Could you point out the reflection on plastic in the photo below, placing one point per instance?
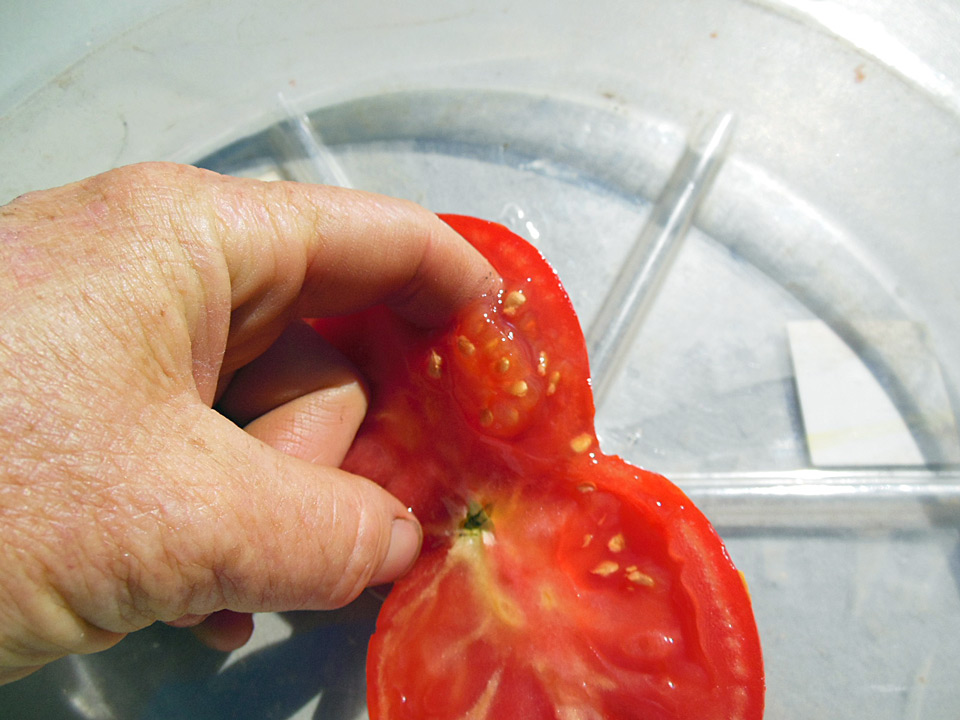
(616, 325)
(301, 151)
(316, 674)
(524, 222)
(883, 35)
(895, 500)
(87, 697)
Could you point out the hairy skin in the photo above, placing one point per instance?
(130, 304)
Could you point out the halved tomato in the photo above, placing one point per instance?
(555, 581)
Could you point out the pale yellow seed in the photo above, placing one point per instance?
(548, 600)
(607, 567)
(513, 416)
(513, 301)
(465, 346)
(581, 443)
(587, 539)
(586, 487)
(542, 364)
(518, 389)
(639, 578)
(617, 543)
(552, 385)
(503, 364)
(486, 417)
(435, 365)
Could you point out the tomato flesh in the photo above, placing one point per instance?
(555, 581)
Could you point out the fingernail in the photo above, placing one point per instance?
(185, 621)
(405, 539)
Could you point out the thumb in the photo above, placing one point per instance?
(278, 533)
(212, 518)
(306, 400)
(202, 517)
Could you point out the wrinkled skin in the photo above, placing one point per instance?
(131, 304)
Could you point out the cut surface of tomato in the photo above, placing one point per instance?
(555, 581)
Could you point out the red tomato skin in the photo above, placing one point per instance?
(496, 410)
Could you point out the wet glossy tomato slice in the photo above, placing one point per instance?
(555, 581)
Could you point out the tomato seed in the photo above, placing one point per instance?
(465, 346)
(542, 364)
(607, 567)
(554, 379)
(503, 364)
(617, 543)
(512, 302)
(581, 443)
(639, 578)
(518, 389)
(434, 364)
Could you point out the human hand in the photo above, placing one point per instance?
(132, 303)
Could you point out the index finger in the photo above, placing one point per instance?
(353, 248)
(289, 250)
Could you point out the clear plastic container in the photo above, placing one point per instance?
(794, 367)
